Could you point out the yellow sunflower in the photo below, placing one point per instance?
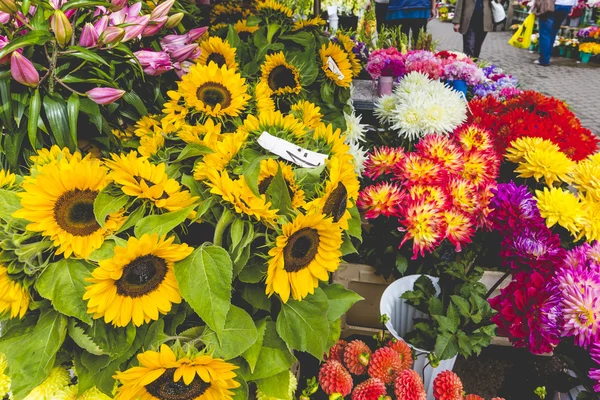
(307, 249)
(14, 298)
(269, 169)
(548, 163)
(162, 375)
(348, 45)
(138, 282)
(333, 139)
(336, 65)
(518, 148)
(243, 30)
(151, 134)
(341, 190)
(7, 179)
(262, 95)
(561, 207)
(308, 24)
(216, 27)
(141, 179)
(308, 113)
(223, 152)
(213, 91)
(59, 203)
(275, 123)
(124, 134)
(274, 7)
(206, 134)
(218, 51)
(238, 194)
(51, 155)
(281, 76)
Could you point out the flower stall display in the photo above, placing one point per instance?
(385, 66)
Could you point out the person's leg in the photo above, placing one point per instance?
(404, 25)
(380, 14)
(560, 14)
(416, 24)
(479, 33)
(546, 22)
(469, 42)
(479, 38)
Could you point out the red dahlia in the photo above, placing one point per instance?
(385, 364)
(409, 386)
(473, 397)
(447, 386)
(333, 378)
(371, 389)
(404, 352)
(337, 351)
(356, 357)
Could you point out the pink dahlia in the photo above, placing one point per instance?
(581, 309)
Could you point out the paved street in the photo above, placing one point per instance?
(577, 84)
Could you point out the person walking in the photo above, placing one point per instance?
(549, 25)
(411, 16)
(473, 19)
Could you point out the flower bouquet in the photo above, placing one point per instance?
(385, 62)
(497, 84)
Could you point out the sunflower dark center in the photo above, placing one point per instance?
(217, 58)
(281, 77)
(301, 249)
(212, 93)
(165, 388)
(263, 186)
(141, 276)
(74, 212)
(146, 181)
(335, 206)
(244, 35)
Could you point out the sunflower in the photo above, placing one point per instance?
(281, 76)
(341, 190)
(331, 139)
(216, 27)
(307, 249)
(7, 179)
(243, 30)
(223, 152)
(138, 282)
(262, 96)
(348, 45)
(59, 202)
(14, 298)
(561, 207)
(273, 7)
(162, 375)
(213, 91)
(309, 24)
(206, 134)
(308, 113)
(275, 123)
(218, 51)
(335, 64)
(150, 132)
(141, 179)
(123, 133)
(269, 169)
(49, 156)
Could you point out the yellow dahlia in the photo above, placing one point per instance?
(212, 91)
(586, 177)
(223, 152)
(141, 179)
(308, 113)
(308, 24)
(518, 148)
(14, 298)
(590, 227)
(243, 30)
(550, 164)
(269, 169)
(162, 375)
(307, 249)
(218, 51)
(282, 77)
(59, 203)
(561, 207)
(476, 167)
(55, 382)
(137, 283)
(336, 65)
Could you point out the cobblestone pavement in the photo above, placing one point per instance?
(576, 83)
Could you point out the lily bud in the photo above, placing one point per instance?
(101, 25)
(174, 20)
(23, 71)
(3, 42)
(112, 35)
(89, 36)
(4, 18)
(154, 62)
(104, 96)
(154, 26)
(136, 28)
(118, 4)
(184, 52)
(62, 28)
(10, 7)
(161, 10)
(194, 34)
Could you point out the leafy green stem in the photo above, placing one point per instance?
(226, 219)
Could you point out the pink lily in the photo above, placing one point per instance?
(3, 42)
(23, 71)
(182, 68)
(154, 26)
(136, 28)
(112, 35)
(154, 62)
(101, 25)
(118, 4)
(104, 96)
(194, 34)
(162, 10)
(184, 52)
(4, 18)
(89, 36)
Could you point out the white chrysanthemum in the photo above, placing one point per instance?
(360, 157)
(414, 78)
(355, 131)
(384, 109)
(291, 390)
(410, 119)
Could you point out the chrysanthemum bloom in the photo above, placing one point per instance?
(447, 386)
(382, 160)
(307, 249)
(581, 310)
(528, 313)
(520, 147)
(57, 380)
(385, 365)
(513, 206)
(415, 169)
(561, 207)
(337, 351)
(533, 247)
(214, 49)
(371, 389)
(594, 375)
(459, 228)
(586, 176)
(14, 298)
(590, 227)
(162, 374)
(333, 378)
(463, 195)
(409, 386)
(435, 195)
(137, 283)
(58, 200)
(381, 199)
(385, 108)
(404, 352)
(356, 357)
(422, 222)
(550, 164)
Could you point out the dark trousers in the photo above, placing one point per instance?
(549, 25)
(380, 14)
(411, 25)
(474, 36)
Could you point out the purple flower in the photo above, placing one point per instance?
(154, 62)
(595, 352)
(533, 246)
(581, 309)
(594, 375)
(104, 96)
(512, 207)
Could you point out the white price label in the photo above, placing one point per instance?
(334, 68)
(291, 152)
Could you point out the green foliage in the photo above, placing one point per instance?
(238, 335)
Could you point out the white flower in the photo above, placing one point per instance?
(355, 131)
(359, 157)
(384, 109)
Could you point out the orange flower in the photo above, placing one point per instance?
(381, 199)
(422, 222)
